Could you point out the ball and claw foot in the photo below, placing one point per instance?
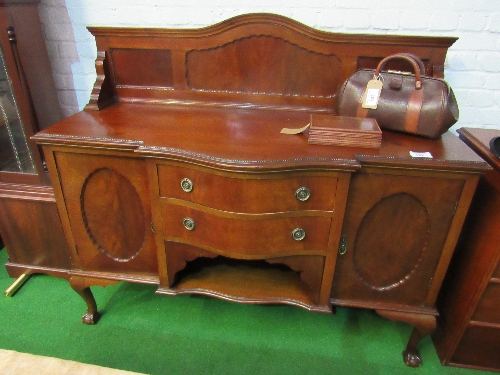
(412, 359)
(90, 318)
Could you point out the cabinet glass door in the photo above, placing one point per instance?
(15, 155)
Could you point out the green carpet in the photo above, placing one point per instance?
(154, 334)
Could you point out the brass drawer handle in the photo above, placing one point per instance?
(343, 245)
(188, 223)
(302, 194)
(187, 185)
(298, 234)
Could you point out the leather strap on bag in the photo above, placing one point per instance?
(413, 109)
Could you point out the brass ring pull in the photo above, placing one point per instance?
(187, 185)
(302, 194)
(188, 223)
(298, 234)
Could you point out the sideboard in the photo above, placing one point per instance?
(176, 174)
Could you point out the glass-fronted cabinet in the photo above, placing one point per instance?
(15, 154)
(30, 225)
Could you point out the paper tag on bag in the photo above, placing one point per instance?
(371, 94)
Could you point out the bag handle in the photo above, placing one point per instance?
(416, 68)
(417, 60)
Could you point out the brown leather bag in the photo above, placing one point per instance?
(410, 103)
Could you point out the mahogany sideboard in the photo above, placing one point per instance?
(176, 174)
(468, 333)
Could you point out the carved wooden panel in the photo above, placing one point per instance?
(252, 60)
(142, 68)
(404, 245)
(110, 208)
(107, 201)
(395, 228)
(263, 64)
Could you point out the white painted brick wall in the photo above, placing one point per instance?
(472, 65)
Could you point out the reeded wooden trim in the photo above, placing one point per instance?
(240, 164)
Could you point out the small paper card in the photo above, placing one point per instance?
(294, 131)
(372, 94)
(426, 154)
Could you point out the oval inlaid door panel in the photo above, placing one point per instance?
(404, 244)
(113, 214)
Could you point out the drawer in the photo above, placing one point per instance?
(249, 195)
(244, 238)
(488, 309)
(479, 348)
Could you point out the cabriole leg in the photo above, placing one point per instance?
(423, 325)
(92, 315)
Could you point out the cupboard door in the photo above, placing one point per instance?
(394, 231)
(107, 202)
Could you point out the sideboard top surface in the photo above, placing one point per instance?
(246, 139)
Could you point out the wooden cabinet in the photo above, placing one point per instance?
(286, 218)
(109, 212)
(468, 333)
(180, 177)
(29, 220)
(398, 224)
(399, 233)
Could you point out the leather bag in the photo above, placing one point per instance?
(410, 103)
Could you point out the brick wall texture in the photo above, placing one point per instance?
(472, 65)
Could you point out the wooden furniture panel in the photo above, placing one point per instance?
(107, 203)
(254, 194)
(41, 247)
(399, 224)
(489, 307)
(254, 61)
(478, 349)
(266, 73)
(468, 333)
(29, 219)
(211, 110)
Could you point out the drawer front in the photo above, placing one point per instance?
(479, 347)
(488, 309)
(246, 238)
(248, 195)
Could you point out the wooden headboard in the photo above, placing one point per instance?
(249, 61)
